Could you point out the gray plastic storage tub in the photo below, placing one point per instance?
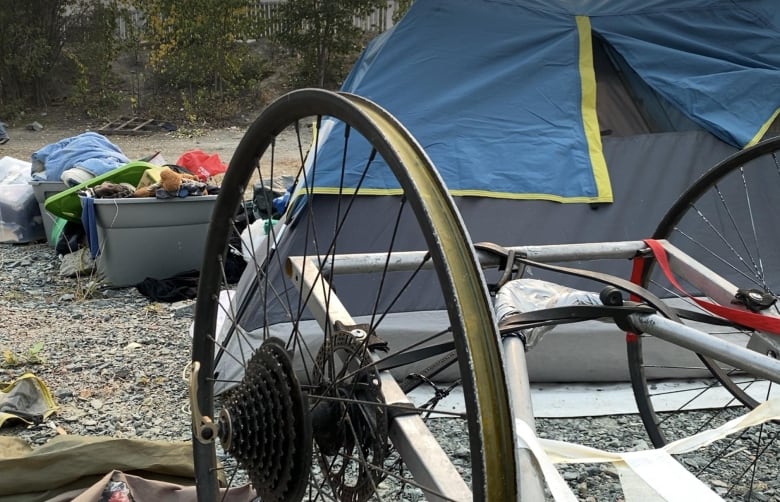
(43, 190)
(158, 238)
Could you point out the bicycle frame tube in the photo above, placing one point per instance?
(425, 458)
(681, 264)
(702, 343)
(410, 260)
(756, 363)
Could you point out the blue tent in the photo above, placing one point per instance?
(553, 122)
(503, 93)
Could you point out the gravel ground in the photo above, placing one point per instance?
(114, 363)
(114, 360)
(171, 145)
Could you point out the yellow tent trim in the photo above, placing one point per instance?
(592, 137)
(462, 193)
(589, 119)
(762, 131)
(352, 191)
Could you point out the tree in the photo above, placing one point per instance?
(401, 6)
(324, 35)
(197, 49)
(57, 49)
(31, 37)
(91, 49)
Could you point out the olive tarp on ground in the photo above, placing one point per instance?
(87, 469)
(68, 463)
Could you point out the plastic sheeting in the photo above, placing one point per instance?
(526, 295)
(20, 216)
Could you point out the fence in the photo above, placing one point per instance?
(263, 15)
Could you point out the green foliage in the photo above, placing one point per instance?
(197, 51)
(31, 37)
(32, 356)
(323, 34)
(92, 48)
(58, 48)
(188, 59)
(401, 6)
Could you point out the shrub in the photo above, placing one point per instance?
(324, 36)
(197, 54)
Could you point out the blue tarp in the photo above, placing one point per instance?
(90, 151)
(501, 94)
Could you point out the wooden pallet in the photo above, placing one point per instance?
(132, 126)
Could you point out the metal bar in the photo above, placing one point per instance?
(707, 281)
(428, 463)
(583, 251)
(740, 357)
(360, 263)
(718, 289)
(409, 260)
(530, 484)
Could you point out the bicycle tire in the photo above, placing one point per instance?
(471, 323)
(721, 221)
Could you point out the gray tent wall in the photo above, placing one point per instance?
(653, 153)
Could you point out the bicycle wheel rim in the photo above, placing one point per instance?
(468, 311)
(720, 220)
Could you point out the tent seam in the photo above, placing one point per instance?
(763, 129)
(590, 121)
(465, 193)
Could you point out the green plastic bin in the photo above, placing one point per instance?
(67, 204)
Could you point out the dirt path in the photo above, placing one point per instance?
(221, 141)
(171, 145)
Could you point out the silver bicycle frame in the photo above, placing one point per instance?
(427, 462)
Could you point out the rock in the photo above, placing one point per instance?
(184, 308)
(77, 263)
(64, 394)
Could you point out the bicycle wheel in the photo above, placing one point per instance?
(291, 383)
(727, 221)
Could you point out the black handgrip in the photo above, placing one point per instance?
(611, 296)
